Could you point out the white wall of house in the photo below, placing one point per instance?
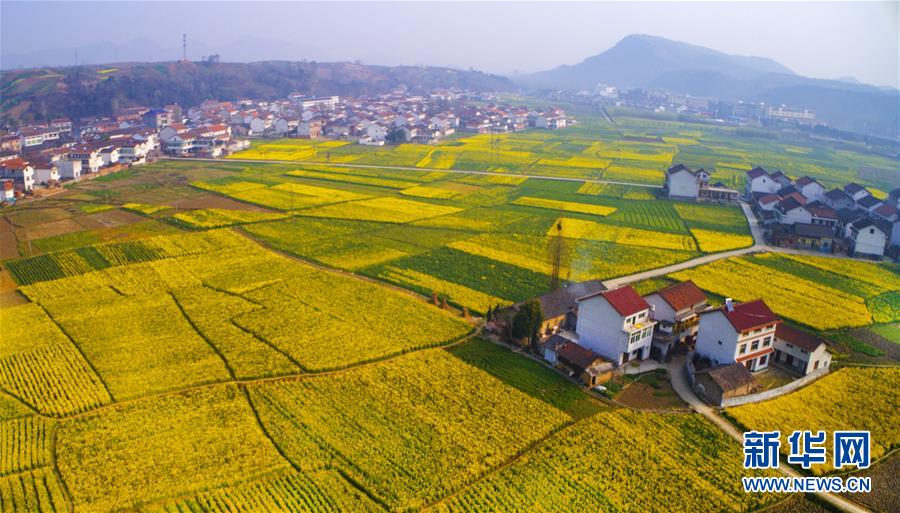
(661, 310)
(797, 215)
(717, 338)
(45, 175)
(895, 234)
(761, 184)
(813, 191)
(802, 360)
(69, 169)
(601, 329)
(869, 240)
(682, 184)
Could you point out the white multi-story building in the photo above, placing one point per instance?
(742, 333)
(868, 238)
(684, 183)
(800, 351)
(20, 171)
(616, 324)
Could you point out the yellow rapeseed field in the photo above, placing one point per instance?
(388, 210)
(617, 461)
(152, 450)
(802, 300)
(582, 229)
(568, 206)
(41, 367)
(848, 399)
(439, 423)
(714, 241)
(218, 217)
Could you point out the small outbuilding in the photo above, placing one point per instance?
(716, 384)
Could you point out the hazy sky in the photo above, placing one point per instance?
(818, 39)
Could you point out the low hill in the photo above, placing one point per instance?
(640, 61)
(43, 93)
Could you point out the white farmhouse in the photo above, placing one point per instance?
(20, 171)
(800, 351)
(684, 183)
(810, 188)
(676, 310)
(742, 333)
(867, 237)
(791, 211)
(616, 324)
(69, 169)
(856, 191)
(759, 180)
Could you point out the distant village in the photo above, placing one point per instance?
(39, 157)
(800, 213)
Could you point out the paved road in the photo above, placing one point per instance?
(682, 387)
(409, 168)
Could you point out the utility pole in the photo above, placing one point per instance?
(556, 256)
(183, 48)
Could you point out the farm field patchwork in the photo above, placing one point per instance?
(182, 366)
(621, 471)
(442, 442)
(850, 398)
(819, 301)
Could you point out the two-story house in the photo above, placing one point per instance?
(676, 311)
(758, 180)
(810, 188)
(868, 237)
(20, 171)
(616, 324)
(790, 211)
(800, 351)
(838, 199)
(743, 333)
(683, 182)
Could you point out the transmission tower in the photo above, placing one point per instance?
(183, 47)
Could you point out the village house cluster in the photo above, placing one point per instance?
(802, 214)
(390, 118)
(48, 154)
(589, 333)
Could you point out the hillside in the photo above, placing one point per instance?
(640, 61)
(74, 92)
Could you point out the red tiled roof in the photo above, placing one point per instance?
(805, 180)
(578, 355)
(886, 210)
(757, 354)
(750, 315)
(15, 163)
(682, 295)
(768, 198)
(798, 337)
(625, 300)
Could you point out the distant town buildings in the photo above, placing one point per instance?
(802, 214)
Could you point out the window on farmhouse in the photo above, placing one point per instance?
(743, 349)
(767, 341)
(755, 345)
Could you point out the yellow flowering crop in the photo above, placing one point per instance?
(590, 230)
(218, 217)
(388, 210)
(41, 367)
(446, 421)
(848, 399)
(713, 241)
(616, 461)
(568, 206)
(171, 446)
(802, 300)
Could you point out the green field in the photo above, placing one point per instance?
(240, 337)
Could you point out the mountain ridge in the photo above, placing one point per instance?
(656, 63)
